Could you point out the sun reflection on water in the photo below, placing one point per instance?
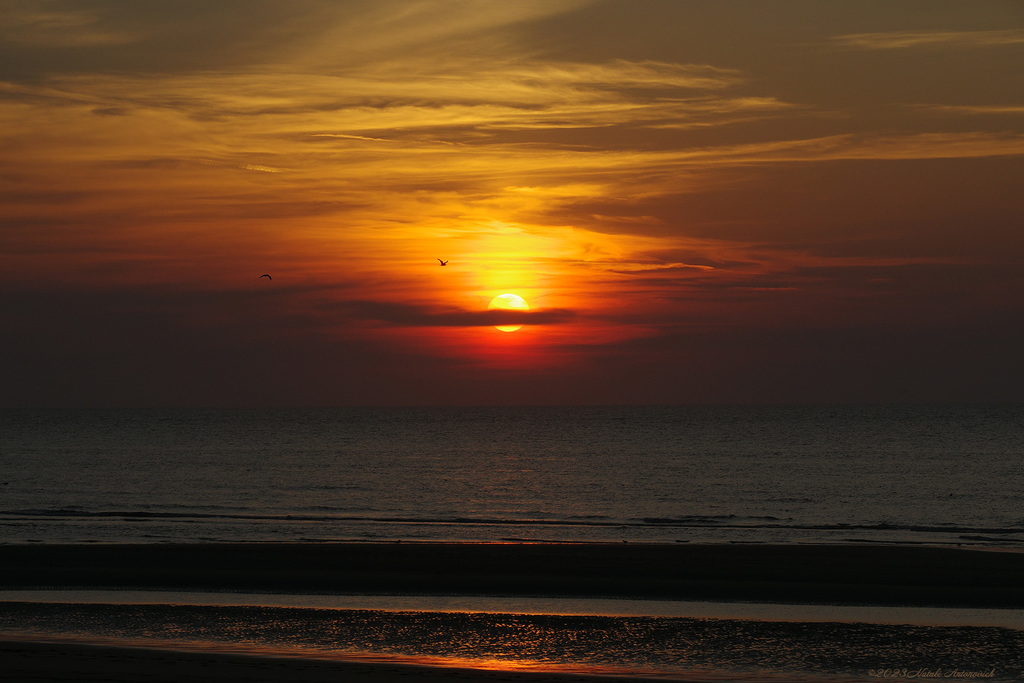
(652, 646)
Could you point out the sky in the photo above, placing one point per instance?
(700, 202)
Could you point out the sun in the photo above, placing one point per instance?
(508, 302)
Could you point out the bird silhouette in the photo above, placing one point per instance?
(266, 276)
(443, 263)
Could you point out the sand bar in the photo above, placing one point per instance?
(830, 574)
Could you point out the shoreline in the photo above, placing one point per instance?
(826, 574)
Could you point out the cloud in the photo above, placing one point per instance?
(632, 268)
(409, 315)
(403, 31)
(894, 40)
(29, 24)
(848, 146)
(982, 109)
(358, 105)
(621, 73)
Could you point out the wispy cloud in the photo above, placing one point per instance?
(983, 109)
(34, 25)
(407, 31)
(632, 268)
(848, 146)
(894, 40)
(524, 95)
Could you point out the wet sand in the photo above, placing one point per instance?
(72, 662)
(827, 574)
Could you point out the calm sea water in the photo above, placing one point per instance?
(947, 474)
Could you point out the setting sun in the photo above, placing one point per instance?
(508, 302)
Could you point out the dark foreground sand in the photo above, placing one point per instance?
(830, 574)
(21, 662)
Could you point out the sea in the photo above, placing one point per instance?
(888, 474)
(946, 475)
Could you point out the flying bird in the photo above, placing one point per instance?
(266, 276)
(443, 263)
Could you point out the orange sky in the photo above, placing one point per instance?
(711, 201)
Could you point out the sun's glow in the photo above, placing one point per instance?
(508, 302)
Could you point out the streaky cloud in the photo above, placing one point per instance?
(32, 25)
(411, 315)
(634, 268)
(896, 40)
(980, 109)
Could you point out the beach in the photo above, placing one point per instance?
(840, 574)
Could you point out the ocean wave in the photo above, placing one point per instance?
(729, 521)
